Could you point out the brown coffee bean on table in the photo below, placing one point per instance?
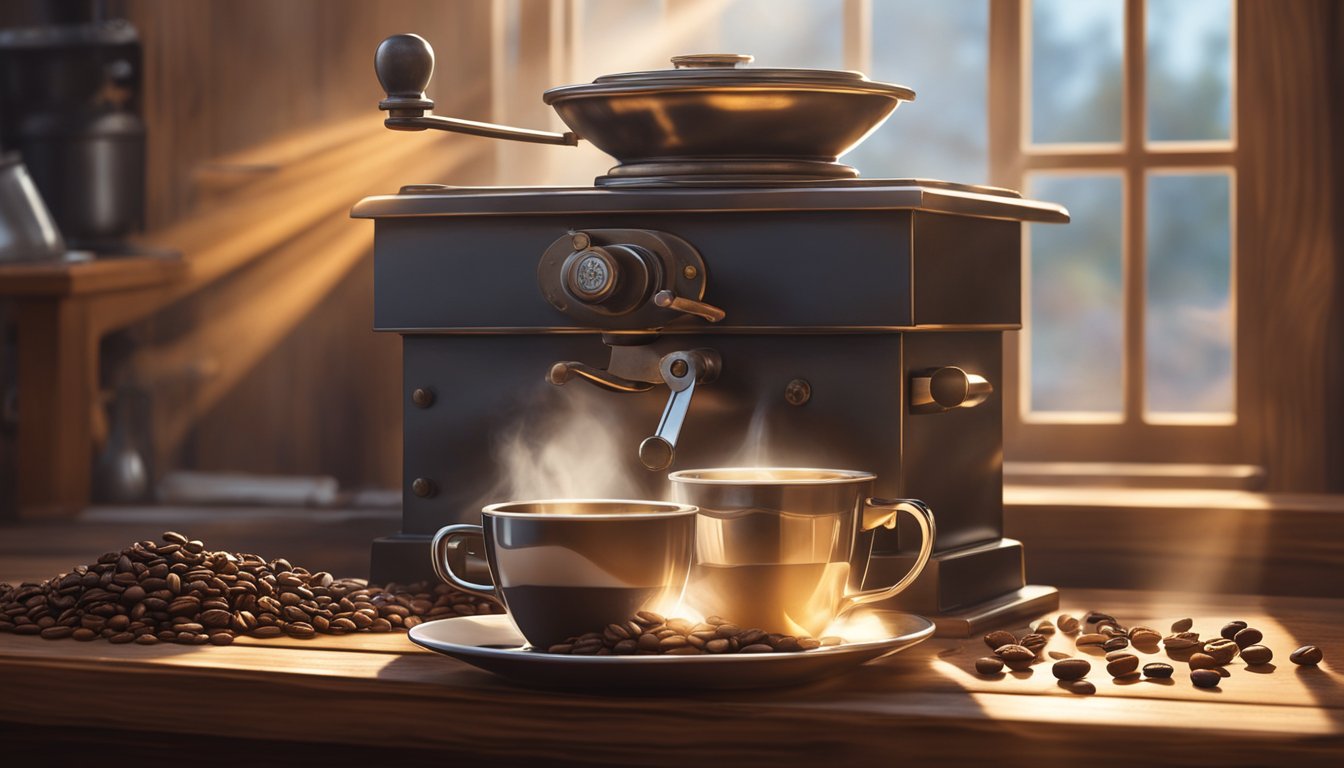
(999, 638)
(1071, 669)
(1205, 678)
(1307, 656)
(1222, 649)
(1080, 687)
(1066, 623)
(1033, 642)
(989, 665)
(1043, 627)
(1255, 655)
(1158, 670)
(1180, 641)
(1115, 643)
(1123, 666)
(1248, 636)
(1092, 638)
(1231, 628)
(1182, 625)
(1203, 661)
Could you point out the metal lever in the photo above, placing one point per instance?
(941, 389)
(682, 371)
(669, 300)
(564, 371)
(404, 64)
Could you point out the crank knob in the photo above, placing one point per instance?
(404, 64)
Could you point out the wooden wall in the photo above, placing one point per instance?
(224, 76)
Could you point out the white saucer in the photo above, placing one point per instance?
(495, 645)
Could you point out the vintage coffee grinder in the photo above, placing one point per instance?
(727, 277)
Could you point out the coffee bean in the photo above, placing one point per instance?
(84, 634)
(1066, 623)
(1247, 636)
(728, 630)
(1205, 678)
(1222, 649)
(999, 638)
(1081, 687)
(751, 637)
(1143, 636)
(1043, 627)
(1059, 655)
(56, 632)
(1182, 625)
(1115, 643)
(560, 648)
(1307, 656)
(1203, 661)
(1014, 652)
(989, 665)
(1096, 617)
(267, 631)
(302, 630)
(1033, 642)
(1231, 628)
(756, 648)
(1123, 666)
(1113, 655)
(648, 618)
(717, 645)
(673, 641)
(147, 640)
(1071, 669)
(121, 637)
(1091, 639)
(1180, 643)
(1158, 670)
(1255, 655)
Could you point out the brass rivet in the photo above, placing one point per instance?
(798, 392)
(689, 272)
(422, 487)
(422, 397)
(581, 241)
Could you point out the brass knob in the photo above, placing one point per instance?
(422, 397)
(423, 487)
(941, 389)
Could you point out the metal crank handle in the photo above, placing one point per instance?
(682, 371)
(404, 64)
(564, 371)
(669, 300)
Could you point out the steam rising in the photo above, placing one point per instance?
(572, 449)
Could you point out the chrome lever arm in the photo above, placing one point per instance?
(682, 371)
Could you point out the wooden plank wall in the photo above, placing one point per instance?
(223, 76)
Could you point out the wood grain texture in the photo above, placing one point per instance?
(1289, 240)
(923, 704)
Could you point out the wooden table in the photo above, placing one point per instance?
(379, 695)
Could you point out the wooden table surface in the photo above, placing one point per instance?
(925, 703)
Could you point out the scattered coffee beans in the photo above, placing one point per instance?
(1071, 669)
(1043, 627)
(1231, 628)
(179, 592)
(1247, 636)
(1306, 656)
(1205, 678)
(1181, 641)
(989, 665)
(1255, 655)
(1182, 625)
(1123, 666)
(1115, 643)
(999, 638)
(1158, 670)
(1091, 638)
(1066, 623)
(1144, 636)
(1097, 617)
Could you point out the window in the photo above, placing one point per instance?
(1122, 110)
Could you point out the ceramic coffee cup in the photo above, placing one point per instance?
(786, 549)
(565, 567)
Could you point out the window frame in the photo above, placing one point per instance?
(1132, 437)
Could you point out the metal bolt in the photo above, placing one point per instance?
(581, 241)
(679, 368)
(689, 272)
(422, 397)
(422, 487)
(798, 392)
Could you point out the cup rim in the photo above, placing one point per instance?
(667, 509)
(833, 476)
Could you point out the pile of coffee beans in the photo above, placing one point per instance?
(1207, 659)
(180, 592)
(649, 634)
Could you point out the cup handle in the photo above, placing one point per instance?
(449, 539)
(882, 512)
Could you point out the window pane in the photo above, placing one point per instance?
(1189, 70)
(1075, 297)
(1189, 321)
(1077, 73)
(779, 33)
(941, 50)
